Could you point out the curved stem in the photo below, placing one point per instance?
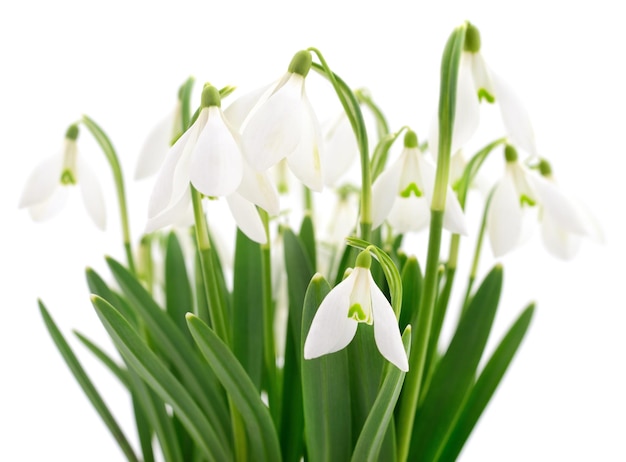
(355, 116)
(105, 143)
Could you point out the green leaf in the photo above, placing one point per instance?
(412, 289)
(178, 296)
(325, 391)
(97, 286)
(485, 386)
(375, 429)
(86, 384)
(261, 432)
(177, 348)
(157, 375)
(455, 371)
(307, 238)
(247, 334)
(116, 369)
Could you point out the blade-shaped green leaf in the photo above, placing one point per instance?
(375, 429)
(177, 348)
(157, 375)
(412, 289)
(307, 238)
(110, 363)
(261, 432)
(455, 371)
(485, 386)
(178, 296)
(248, 307)
(86, 384)
(325, 391)
(99, 287)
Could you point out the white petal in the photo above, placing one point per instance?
(91, 192)
(175, 214)
(558, 241)
(386, 330)
(384, 192)
(274, 130)
(239, 110)
(258, 188)
(331, 329)
(514, 116)
(558, 206)
(247, 218)
(43, 181)
(481, 74)
(409, 214)
(51, 206)
(306, 161)
(155, 149)
(340, 151)
(216, 160)
(173, 178)
(504, 218)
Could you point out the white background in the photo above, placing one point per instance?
(121, 62)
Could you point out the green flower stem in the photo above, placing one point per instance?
(105, 143)
(269, 349)
(419, 348)
(216, 310)
(355, 116)
(145, 270)
(382, 127)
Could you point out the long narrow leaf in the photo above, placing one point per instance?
(261, 432)
(157, 375)
(325, 391)
(178, 296)
(485, 386)
(116, 369)
(375, 429)
(83, 380)
(455, 371)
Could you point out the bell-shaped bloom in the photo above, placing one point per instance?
(478, 82)
(157, 144)
(563, 221)
(281, 124)
(208, 156)
(356, 299)
(512, 197)
(47, 187)
(402, 194)
(341, 149)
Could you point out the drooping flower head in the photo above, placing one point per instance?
(209, 157)
(357, 299)
(282, 125)
(511, 199)
(402, 194)
(47, 187)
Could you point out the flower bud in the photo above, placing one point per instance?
(301, 63)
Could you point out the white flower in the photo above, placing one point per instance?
(356, 299)
(282, 124)
(340, 147)
(563, 220)
(477, 82)
(402, 194)
(47, 187)
(157, 144)
(208, 156)
(507, 220)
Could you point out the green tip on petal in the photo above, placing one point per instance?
(364, 260)
(356, 312)
(472, 39)
(210, 97)
(301, 63)
(510, 153)
(410, 139)
(545, 168)
(72, 132)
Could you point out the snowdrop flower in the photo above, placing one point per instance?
(282, 124)
(403, 192)
(478, 82)
(208, 156)
(157, 145)
(563, 221)
(340, 146)
(47, 187)
(512, 196)
(356, 299)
